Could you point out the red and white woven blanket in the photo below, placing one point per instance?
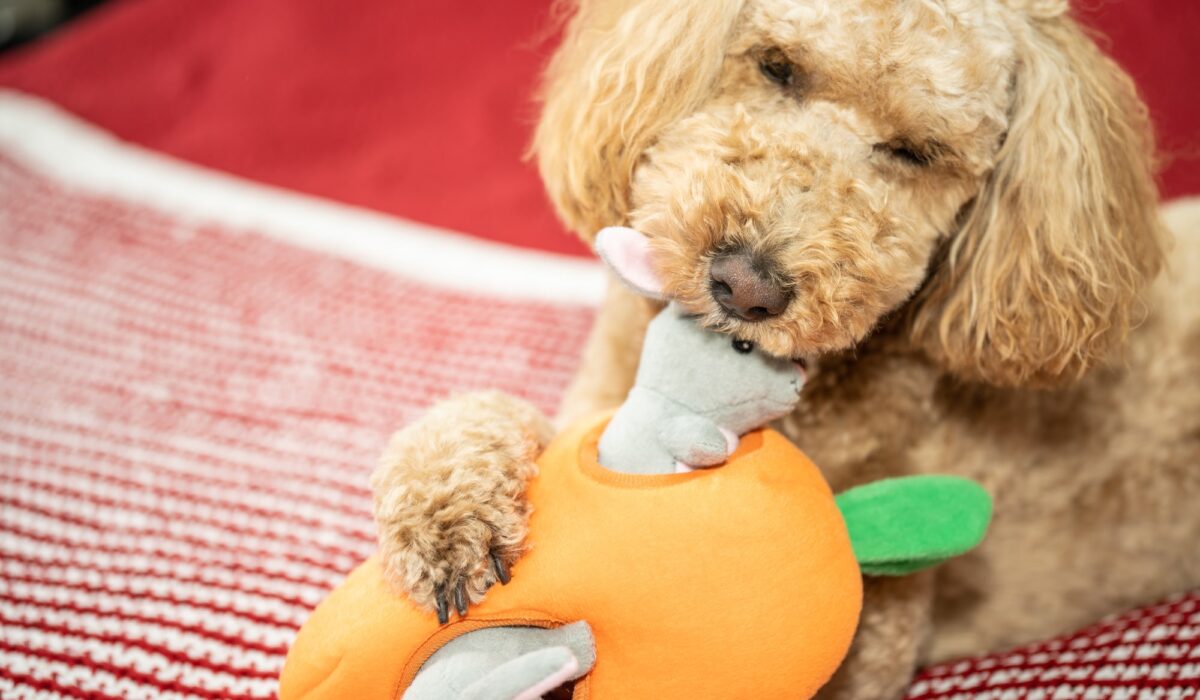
(197, 376)
(190, 408)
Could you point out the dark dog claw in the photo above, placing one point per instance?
(501, 570)
(443, 608)
(460, 597)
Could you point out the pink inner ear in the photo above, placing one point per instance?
(627, 252)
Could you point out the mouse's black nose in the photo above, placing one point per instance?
(744, 288)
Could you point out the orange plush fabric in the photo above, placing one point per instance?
(734, 582)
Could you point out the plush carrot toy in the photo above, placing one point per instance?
(678, 550)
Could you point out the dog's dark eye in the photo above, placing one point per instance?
(778, 69)
(907, 153)
(744, 347)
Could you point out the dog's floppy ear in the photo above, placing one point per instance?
(1044, 275)
(627, 254)
(625, 70)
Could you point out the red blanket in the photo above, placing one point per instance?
(188, 414)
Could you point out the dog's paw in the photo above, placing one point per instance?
(449, 498)
(446, 550)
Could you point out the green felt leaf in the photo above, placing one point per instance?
(899, 526)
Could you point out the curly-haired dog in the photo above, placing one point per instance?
(947, 208)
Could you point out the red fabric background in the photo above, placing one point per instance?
(188, 416)
(422, 109)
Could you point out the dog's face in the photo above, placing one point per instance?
(806, 194)
(805, 167)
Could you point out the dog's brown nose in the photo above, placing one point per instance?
(744, 288)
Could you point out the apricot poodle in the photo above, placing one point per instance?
(947, 209)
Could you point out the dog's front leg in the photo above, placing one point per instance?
(449, 497)
(895, 626)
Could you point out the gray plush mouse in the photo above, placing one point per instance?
(696, 392)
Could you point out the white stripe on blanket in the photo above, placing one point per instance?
(49, 140)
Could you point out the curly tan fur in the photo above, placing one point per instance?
(448, 492)
(959, 196)
(1041, 280)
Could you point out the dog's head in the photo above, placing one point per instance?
(807, 167)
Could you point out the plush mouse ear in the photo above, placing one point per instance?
(627, 253)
